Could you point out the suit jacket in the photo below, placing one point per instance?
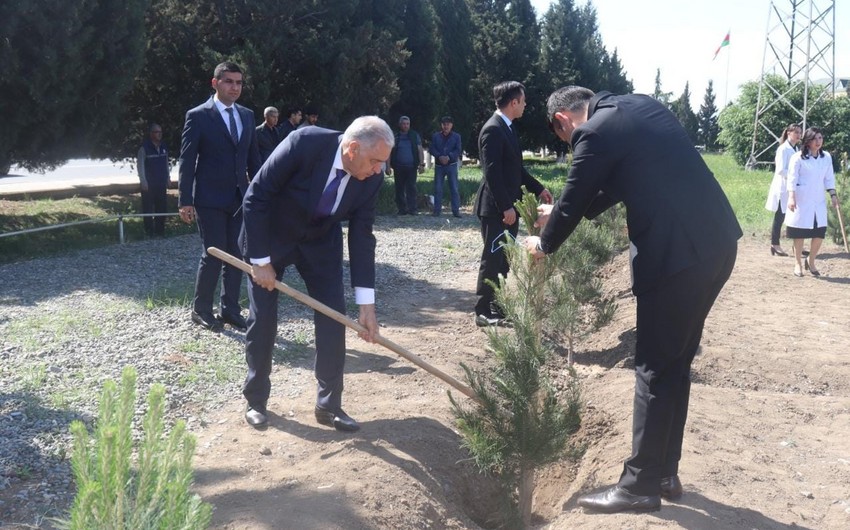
(210, 165)
(633, 149)
(280, 202)
(504, 174)
(267, 140)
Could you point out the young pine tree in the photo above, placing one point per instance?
(521, 423)
(112, 492)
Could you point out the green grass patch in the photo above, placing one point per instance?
(46, 330)
(747, 191)
(170, 296)
(210, 360)
(26, 214)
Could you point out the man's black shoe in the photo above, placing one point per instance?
(483, 321)
(337, 419)
(235, 321)
(206, 320)
(671, 488)
(256, 417)
(616, 499)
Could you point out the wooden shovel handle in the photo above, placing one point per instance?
(353, 324)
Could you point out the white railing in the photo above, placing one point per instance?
(120, 218)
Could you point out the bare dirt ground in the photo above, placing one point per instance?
(766, 445)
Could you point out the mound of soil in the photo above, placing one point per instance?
(765, 444)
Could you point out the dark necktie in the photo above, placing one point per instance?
(234, 132)
(328, 198)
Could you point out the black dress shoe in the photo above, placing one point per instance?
(616, 499)
(671, 488)
(337, 419)
(256, 417)
(207, 321)
(235, 321)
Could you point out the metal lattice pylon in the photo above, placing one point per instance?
(798, 52)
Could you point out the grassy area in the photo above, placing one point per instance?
(25, 214)
(746, 190)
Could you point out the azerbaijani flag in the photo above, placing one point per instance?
(722, 44)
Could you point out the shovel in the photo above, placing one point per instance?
(353, 324)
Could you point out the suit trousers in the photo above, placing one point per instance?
(440, 174)
(670, 320)
(219, 227)
(493, 263)
(323, 278)
(405, 189)
(155, 201)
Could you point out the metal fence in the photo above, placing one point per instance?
(120, 218)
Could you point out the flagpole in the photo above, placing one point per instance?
(726, 90)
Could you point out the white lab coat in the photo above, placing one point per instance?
(809, 178)
(778, 194)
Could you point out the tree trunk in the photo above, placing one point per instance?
(526, 493)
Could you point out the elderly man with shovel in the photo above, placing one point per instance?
(293, 212)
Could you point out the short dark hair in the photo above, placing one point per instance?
(446, 119)
(569, 98)
(153, 126)
(507, 91)
(226, 66)
(311, 111)
(292, 110)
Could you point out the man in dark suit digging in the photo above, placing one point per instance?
(316, 179)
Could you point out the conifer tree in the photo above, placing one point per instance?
(660, 95)
(148, 490)
(454, 27)
(521, 423)
(707, 119)
(66, 67)
(681, 107)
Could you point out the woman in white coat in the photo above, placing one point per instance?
(810, 174)
(777, 197)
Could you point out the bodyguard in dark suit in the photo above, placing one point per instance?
(501, 186)
(218, 157)
(632, 149)
(313, 181)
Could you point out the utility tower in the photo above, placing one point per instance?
(799, 52)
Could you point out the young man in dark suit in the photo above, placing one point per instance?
(315, 180)
(218, 157)
(501, 186)
(683, 233)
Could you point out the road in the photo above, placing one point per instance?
(80, 177)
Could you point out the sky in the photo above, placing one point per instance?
(681, 36)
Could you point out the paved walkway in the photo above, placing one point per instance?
(73, 180)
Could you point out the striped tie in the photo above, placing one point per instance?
(234, 132)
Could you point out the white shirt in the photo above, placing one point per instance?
(507, 120)
(362, 295)
(226, 117)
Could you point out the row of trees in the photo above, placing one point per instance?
(90, 85)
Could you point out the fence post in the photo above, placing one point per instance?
(121, 228)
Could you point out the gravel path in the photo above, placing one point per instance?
(69, 323)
